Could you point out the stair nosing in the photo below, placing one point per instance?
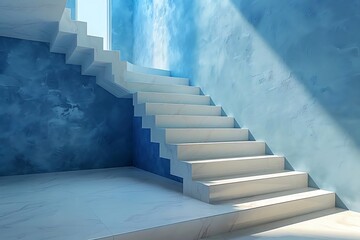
(181, 104)
(276, 199)
(204, 161)
(253, 177)
(220, 142)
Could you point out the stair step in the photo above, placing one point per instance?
(162, 88)
(195, 135)
(139, 69)
(73, 27)
(185, 121)
(175, 109)
(99, 60)
(153, 97)
(246, 213)
(247, 185)
(83, 48)
(147, 78)
(65, 36)
(213, 150)
(281, 205)
(215, 168)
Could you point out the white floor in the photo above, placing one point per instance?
(107, 203)
(92, 204)
(332, 224)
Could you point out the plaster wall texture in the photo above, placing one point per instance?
(287, 69)
(54, 119)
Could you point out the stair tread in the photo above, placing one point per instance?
(172, 94)
(207, 129)
(147, 70)
(153, 75)
(181, 104)
(190, 116)
(273, 198)
(248, 177)
(162, 84)
(232, 159)
(216, 143)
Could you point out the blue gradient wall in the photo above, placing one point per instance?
(54, 119)
(286, 69)
(122, 28)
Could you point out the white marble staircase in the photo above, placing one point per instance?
(216, 160)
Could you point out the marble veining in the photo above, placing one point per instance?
(92, 204)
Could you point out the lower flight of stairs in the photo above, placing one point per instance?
(218, 163)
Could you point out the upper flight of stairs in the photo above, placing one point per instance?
(217, 161)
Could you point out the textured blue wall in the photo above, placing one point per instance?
(286, 69)
(146, 154)
(54, 119)
(122, 28)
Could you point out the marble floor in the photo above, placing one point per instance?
(331, 224)
(93, 204)
(128, 203)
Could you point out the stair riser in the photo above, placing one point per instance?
(225, 168)
(286, 210)
(176, 109)
(140, 87)
(77, 55)
(138, 77)
(66, 24)
(173, 135)
(134, 68)
(144, 97)
(226, 150)
(61, 42)
(94, 68)
(206, 135)
(186, 122)
(66, 32)
(83, 47)
(257, 187)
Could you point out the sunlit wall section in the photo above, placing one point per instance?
(287, 70)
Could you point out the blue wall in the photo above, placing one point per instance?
(72, 5)
(54, 119)
(122, 28)
(286, 69)
(146, 153)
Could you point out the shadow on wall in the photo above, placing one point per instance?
(54, 119)
(319, 42)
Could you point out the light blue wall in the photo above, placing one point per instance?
(122, 28)
(54, 119)
(286, 69)
(71, 4)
